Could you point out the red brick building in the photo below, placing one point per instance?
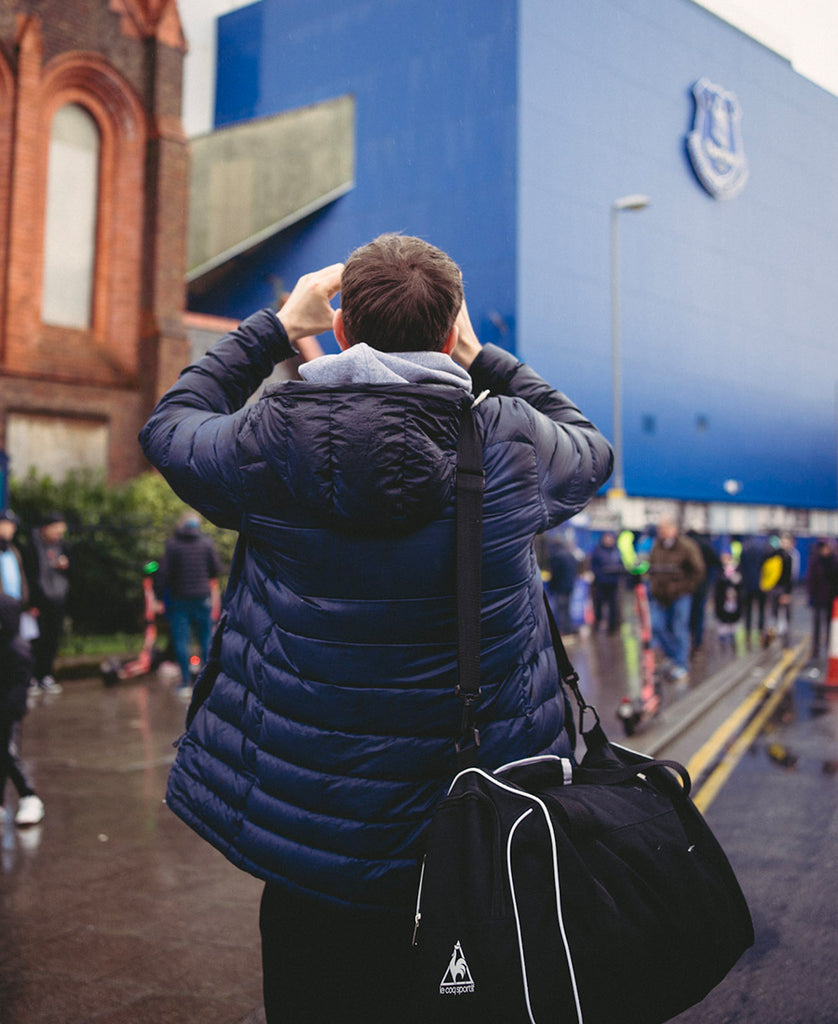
(93, 207)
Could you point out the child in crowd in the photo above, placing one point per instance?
(728, 599)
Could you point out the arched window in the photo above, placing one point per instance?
(72, 203)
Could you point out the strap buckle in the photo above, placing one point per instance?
(469, 733)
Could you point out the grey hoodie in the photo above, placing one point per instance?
(362, 364)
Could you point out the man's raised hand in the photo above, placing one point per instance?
(308, 309)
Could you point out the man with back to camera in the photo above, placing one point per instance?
(319, 753)
(187, 583)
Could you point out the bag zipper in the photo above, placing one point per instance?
(418, 915)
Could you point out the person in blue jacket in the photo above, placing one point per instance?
(321, 735)
(608, 569)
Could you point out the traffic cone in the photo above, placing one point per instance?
(832, 664)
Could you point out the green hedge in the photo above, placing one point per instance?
(112, 532)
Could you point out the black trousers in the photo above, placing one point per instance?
(821, 617)
(322, 965)
(45, 646)
(15, 670)
(751, 597)
(607, 598)
(11, 767)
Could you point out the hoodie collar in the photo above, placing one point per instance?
(362, 364)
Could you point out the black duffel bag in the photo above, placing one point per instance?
(552, 892)
(562, 893)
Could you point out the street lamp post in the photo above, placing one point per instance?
(632, 202)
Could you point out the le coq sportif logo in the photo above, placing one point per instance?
(457, 980)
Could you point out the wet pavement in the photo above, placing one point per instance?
(113, 911)
(609, 664)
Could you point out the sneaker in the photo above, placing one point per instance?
(184, 692)
(49, 685)
(30, 811)
(678, 673)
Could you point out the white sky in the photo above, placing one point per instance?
(198, 18)
(804, 31)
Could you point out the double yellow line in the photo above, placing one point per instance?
(713, 763)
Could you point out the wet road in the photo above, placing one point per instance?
(113, 911)
(777, 818)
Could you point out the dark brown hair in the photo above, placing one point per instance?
(400, 294)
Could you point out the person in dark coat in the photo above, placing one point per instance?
(15, 671)
(322, 735)
(712, 565)
(47, 568)
(607, 568)
(187, 583)
(755, 552)
(563, 572)
(822, 586)
(16, 666)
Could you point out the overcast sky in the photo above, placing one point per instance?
(804, 31)
(198, 18)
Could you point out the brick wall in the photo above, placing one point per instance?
(122, 61)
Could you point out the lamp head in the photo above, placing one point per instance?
(632, 202)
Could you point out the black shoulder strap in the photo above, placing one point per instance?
(568, 673)
(469, 513)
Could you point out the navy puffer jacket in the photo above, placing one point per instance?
(328, 735)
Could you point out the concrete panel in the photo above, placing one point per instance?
(252, 180)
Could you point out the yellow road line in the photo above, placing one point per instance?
(707, 753)
(785, 671)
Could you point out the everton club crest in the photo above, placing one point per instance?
(715, 143)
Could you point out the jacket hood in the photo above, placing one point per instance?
(362, 458)
(363, 364)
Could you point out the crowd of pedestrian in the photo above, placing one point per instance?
(748, 584)
(34, 587)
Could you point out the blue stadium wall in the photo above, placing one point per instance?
(503, 131)
(435, 86)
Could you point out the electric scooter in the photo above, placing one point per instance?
(150, 656)
(643, 702)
